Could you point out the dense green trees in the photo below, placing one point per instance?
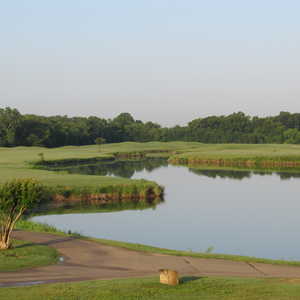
(55, 131)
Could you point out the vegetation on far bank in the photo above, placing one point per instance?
(204, 288)
(240, 155)
(26, 255)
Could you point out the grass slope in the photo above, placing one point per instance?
(26, 255)
(151, 289)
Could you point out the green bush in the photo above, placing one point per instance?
(16, 196)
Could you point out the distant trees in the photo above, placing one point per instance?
(10, 123)
(55, 131)
(16, 197)
(292, 136)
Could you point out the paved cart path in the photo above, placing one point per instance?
(86, 260)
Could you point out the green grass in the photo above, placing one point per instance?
(38, 227)
(150, 289)
(26, 255)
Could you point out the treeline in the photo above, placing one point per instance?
(33, 130)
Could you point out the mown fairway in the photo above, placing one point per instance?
(150, 289)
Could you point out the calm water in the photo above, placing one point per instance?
(242, 213)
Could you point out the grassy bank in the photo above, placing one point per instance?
(26, 255)
(150, 289)
(37, 227)
(241, 155)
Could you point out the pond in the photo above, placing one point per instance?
(234, 212)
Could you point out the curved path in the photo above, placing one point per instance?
(86, 260)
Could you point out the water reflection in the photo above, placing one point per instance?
(127, 169)
(118, 168)
(222, 173)
(241, 174)
(53, 208)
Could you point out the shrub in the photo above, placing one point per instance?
(16, 196)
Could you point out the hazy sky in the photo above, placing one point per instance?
(167, 61)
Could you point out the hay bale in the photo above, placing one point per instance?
(169, 277)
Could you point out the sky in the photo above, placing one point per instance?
(168, 61)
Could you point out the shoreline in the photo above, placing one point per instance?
(31, 226)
